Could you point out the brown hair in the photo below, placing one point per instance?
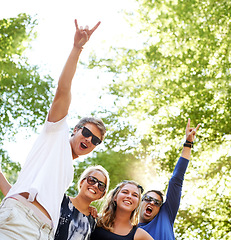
(97, 121)
(107, 218)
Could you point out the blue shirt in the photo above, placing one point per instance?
(161, 227)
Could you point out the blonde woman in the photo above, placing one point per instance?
(75, 221)
(119, 217)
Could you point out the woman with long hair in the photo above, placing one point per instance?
(119, 216)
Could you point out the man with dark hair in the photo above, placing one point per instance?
(157, 217)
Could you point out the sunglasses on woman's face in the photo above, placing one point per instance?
(87, 133)
(150, 199)
(93, 180)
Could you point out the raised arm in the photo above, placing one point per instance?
(173, 196)
(62, 99)
(190, 136)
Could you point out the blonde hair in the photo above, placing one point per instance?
(107, 218)
(91, 169)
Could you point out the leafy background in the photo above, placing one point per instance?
(180, 69)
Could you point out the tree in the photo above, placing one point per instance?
(182, 70)
(25, 95)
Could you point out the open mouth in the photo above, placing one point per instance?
(92, 191)
(127, 202)
(83, 145)
(148, 210)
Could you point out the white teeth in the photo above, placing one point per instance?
(91, 190)
(127, 202)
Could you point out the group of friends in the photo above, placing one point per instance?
(36, 206)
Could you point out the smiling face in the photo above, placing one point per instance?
(82, 145)
(92, 192)
(148, 210)
(128, 198)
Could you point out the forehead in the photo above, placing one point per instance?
(94, 129)
(99, 175)
(131, 187)
(154, 195)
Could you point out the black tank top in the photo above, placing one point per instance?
(102, 234)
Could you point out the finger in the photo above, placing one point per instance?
(76, 24)
(87, 27)
(94, 28)
(198, 126)
(188, 126)
(86, 35)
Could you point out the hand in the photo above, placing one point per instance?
(93, 211)
(191, 132)
(83, 35)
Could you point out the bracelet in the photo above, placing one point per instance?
(188, 145)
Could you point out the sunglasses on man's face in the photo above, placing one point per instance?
(150, 199)
(93, 180)
(87, 133)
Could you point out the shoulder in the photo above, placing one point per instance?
(142, 234)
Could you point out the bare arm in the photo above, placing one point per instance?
(4, 184)
(141, 234)
(62, 99)
(190, 136)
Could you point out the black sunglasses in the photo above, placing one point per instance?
(87, 133)
(150, 199)
(93, 180)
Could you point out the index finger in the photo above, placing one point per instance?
(188, 124)
(76, 24)
(198, 126)
(95, 27)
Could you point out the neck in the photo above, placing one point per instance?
(74, 156)
(122, 218)
(81, 204)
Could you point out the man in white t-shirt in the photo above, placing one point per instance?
(32, 206)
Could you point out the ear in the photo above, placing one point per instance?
(81, 183)
(74, 131)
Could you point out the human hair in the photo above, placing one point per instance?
(157, 192)
(108, 213)
(87, 172)
(97, 121)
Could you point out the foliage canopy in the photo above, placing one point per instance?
(25, 96)
(181, 71)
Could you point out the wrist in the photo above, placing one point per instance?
(77, 47)
(188, 144)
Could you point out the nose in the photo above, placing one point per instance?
(152, 202)
(88, 138)
(129, 195)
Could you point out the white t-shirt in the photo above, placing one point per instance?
(48, 170)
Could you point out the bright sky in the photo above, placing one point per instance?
(54, 41)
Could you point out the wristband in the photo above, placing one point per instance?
(188, 141)
(188, 145)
